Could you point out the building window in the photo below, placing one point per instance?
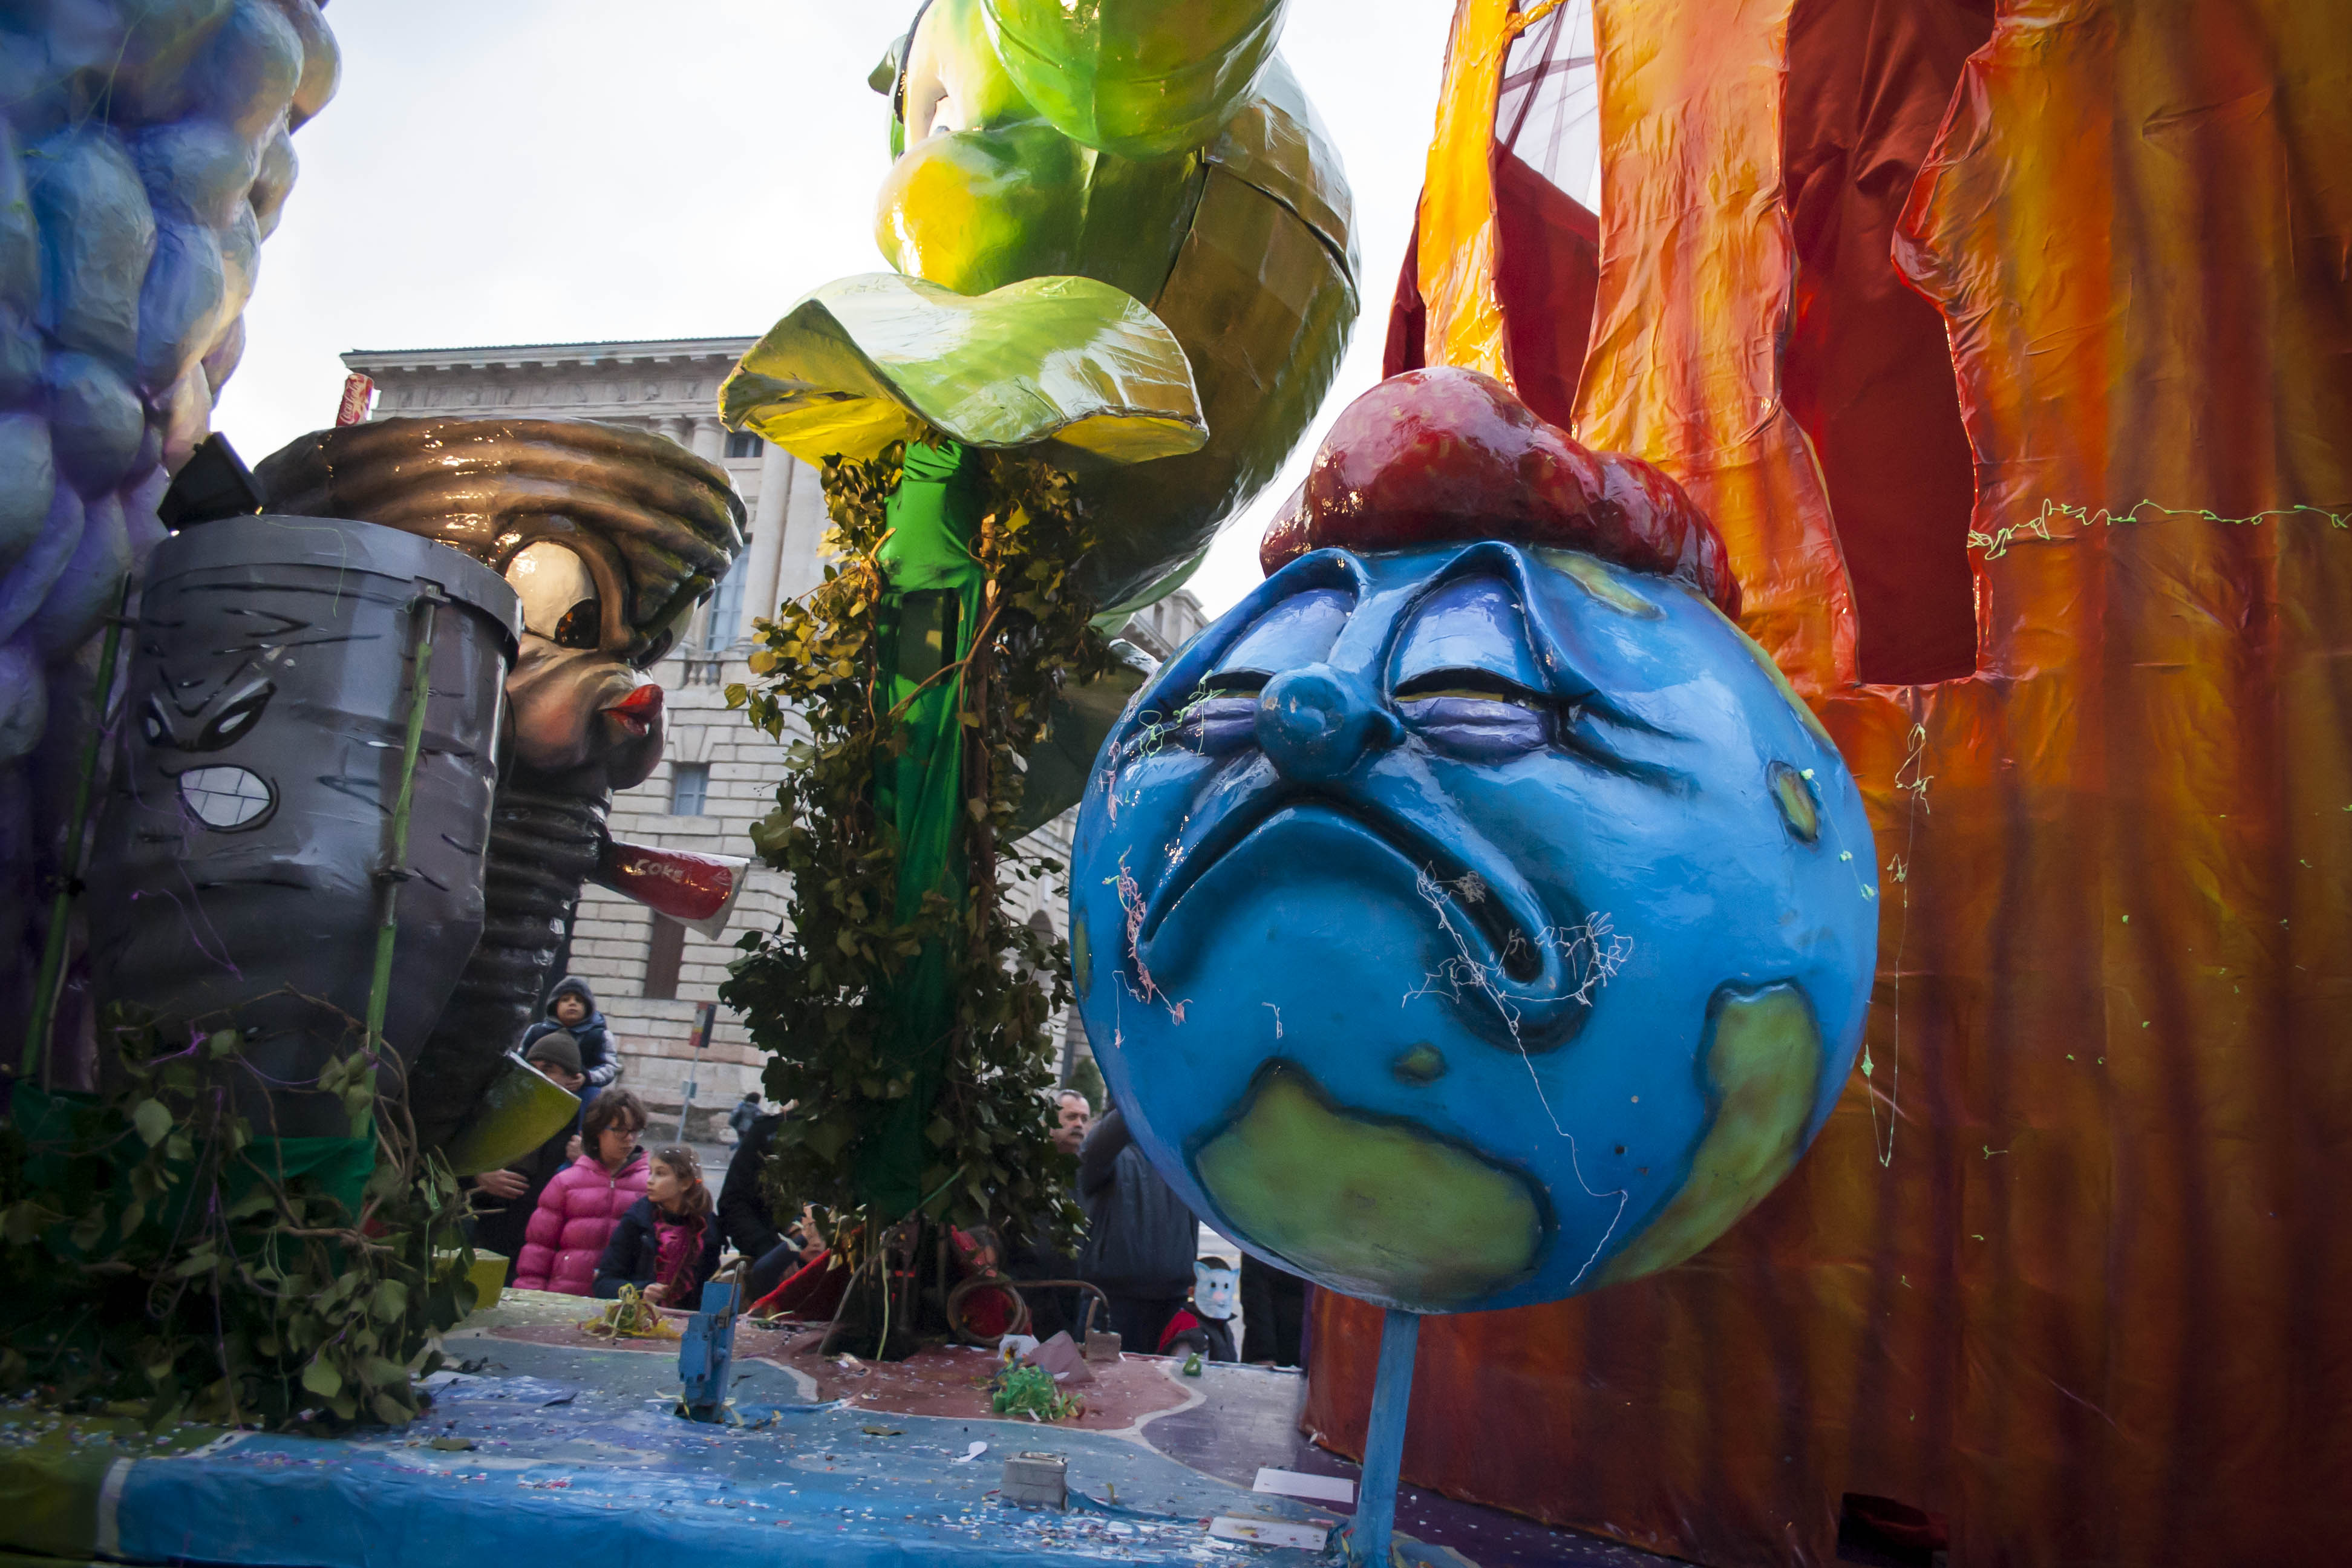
(663, 954)
(726, 610)
(689, 788)
(744, 443)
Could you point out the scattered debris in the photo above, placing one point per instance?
(1296, 1483)
(1268, 1531)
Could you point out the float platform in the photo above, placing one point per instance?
(549, 1449)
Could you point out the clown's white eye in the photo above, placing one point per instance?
(559, 596)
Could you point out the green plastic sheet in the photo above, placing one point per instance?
(929, 612)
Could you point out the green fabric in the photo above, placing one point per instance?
(49, 1498)
(340, 1166)
(929, 612)
(53, 1469)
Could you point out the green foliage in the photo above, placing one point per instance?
(1031, 1391)
(814, 993)
(156, 1259)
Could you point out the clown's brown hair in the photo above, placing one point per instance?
(1433, 456)
(488, 487)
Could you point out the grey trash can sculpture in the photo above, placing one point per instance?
(243, 847)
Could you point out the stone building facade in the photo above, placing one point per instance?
(718, 774)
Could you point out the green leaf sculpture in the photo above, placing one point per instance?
(868, 361)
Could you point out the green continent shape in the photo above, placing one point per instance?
(1761, 1073)
(1382, 1210)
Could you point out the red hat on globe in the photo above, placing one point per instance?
(1436, 456)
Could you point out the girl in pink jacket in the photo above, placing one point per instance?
(577, 1211)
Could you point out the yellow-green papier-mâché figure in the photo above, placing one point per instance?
(1092, 204)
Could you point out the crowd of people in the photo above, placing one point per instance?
(592, 1210)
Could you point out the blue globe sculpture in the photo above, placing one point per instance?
(1471, 923)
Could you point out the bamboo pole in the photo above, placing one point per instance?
(53, 947)
(429, 597)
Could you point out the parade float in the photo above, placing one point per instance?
(1757, 896)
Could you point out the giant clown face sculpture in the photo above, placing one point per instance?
(1464, 923)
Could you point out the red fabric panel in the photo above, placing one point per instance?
(1547, 271)
(1867, 372)
(1408, 317)
(1546, 275)
(812, 1291)
(2069, 1266)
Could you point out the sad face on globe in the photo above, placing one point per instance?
(1474, 916)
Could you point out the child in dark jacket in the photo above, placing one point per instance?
(571, 1008)
(667, 1244)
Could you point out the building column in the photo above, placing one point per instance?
(707, 439)
(678, 427)
(759, 595)
(800, 565)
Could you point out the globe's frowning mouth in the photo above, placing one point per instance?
(1381, 1208)
(1477, 902)
(1501, 953)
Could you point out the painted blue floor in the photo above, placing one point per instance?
(576, 1460)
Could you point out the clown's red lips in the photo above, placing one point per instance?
(637, 711)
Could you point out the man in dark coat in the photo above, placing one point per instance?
(1274, 1313)
(571, 1010)
(745, 1215)
(1140, 1238)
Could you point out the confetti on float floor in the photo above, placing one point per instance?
(551, 1454)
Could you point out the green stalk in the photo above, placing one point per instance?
(53, 948)
(419, 688)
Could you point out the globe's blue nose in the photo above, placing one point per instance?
(1315, 723)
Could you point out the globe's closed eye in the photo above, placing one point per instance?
(1480, 716)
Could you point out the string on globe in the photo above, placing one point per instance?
(1594, 946)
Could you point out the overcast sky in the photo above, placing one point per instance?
(555, 171)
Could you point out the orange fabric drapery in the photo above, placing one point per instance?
(2068, 1267)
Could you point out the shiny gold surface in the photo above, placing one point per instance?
(490, 486)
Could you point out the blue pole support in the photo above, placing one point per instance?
(1384, 1444)
(706, 1352)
